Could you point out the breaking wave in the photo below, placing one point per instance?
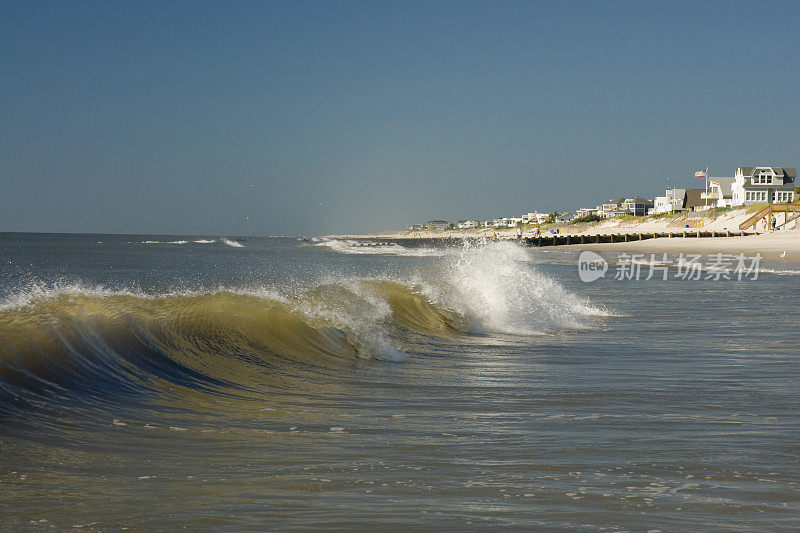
(231, 243)
(348, 246)
(75, 338)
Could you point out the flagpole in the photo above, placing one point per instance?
(706, 186)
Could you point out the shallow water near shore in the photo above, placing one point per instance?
(159, 382)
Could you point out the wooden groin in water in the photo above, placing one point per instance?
(550, 239)
(558, 239)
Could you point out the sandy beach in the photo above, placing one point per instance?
(783, 244)
(772, 246)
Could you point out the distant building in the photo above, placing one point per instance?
(763, 185)
(504, 222)
(586, 211)
(637, 206)
(694, 200)
(720, 193)
(534, 218)
(611, 208)
(671, 202)
(438, 224)
(468, 224)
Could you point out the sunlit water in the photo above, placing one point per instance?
(204, 382)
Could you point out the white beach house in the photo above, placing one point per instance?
(586, 211)
(671, 202)
(468, 224)
(720, 192)
(763, 185)
(534, 218)
(636, 206)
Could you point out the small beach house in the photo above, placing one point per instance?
(720, 192)
(438, 224)
(694, 200)
(636, 206)
(611, 208)
(468, 224)
(671, 202)
(534, 218)
(586, 211)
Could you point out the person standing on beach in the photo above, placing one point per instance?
(519, 234)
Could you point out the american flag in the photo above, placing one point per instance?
(700, 174)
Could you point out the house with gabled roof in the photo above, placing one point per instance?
(611, 208)
(720, 193)
(694, 201)
(636, 206)
(438, 224)
(671, 202)
(763, 185)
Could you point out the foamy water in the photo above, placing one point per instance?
(349, 246)
(231, 243)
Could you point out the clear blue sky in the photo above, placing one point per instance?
(322, 117)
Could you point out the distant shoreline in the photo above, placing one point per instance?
(771, 245)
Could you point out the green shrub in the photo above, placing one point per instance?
(587, 218)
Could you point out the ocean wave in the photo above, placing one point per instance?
(196, 241)
(78, 338)
(348, 246)
(231, 243)
(779, 271)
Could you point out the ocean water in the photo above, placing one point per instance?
(269, 383)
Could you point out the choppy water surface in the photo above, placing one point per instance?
(162, 382)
